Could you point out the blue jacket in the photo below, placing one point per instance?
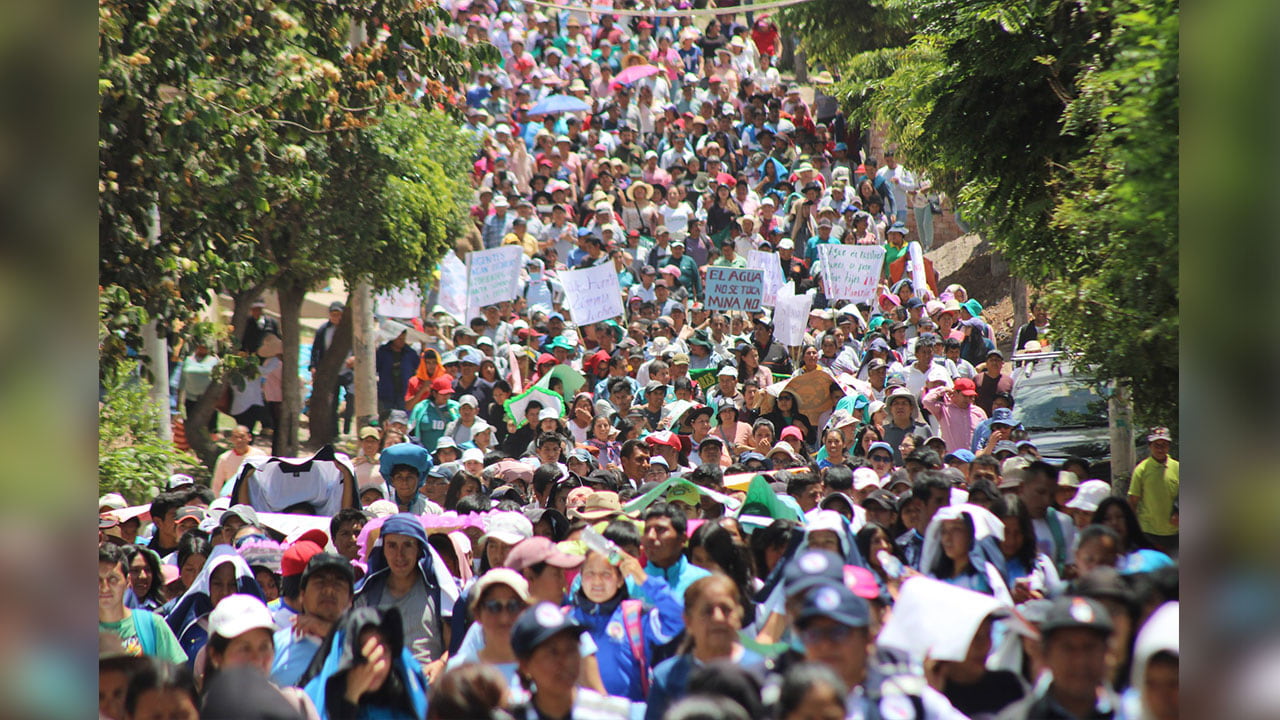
(392, 395)
(671, 681)
(661, 621)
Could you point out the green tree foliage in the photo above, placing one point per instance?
(1054, 125)
(835, 29)
(231, 118)
(132, 459)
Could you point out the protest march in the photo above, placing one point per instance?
(694, 430)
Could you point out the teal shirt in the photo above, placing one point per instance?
(679, 576)
(428, 421)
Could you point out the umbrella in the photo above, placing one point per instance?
(816, 393)
(571, 379)
(515, 406)
(632, 74)
(553, 104)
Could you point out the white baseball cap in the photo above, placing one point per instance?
(509, 527)
(473, 454)
(1090, 495)
(112, 501)
(238, 614)
(864, 478)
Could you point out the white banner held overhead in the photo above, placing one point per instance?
(851, 272)
(493, 276)
(791, 315)
(592, 294)
(771, 264)
(453, 285)
(402, 303)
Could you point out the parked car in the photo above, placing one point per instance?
(1064, 410)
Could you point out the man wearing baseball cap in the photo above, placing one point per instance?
(1073, 638)
(1153, 492)
(833, 624)
(958, 416)
(326, 585)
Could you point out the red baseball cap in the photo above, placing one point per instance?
(296, 556)
(965, 386)
(545, 358)
(443, 385)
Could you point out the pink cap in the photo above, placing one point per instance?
(861, 582)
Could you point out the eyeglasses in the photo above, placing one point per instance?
(881, 458)
(510, 606)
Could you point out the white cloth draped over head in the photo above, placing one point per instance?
(985, 525)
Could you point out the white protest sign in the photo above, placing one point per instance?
(593, 294)
(851, 272)
(791, 315)
(733, 288)
(403, 302)
(771, 264)
(493, 276)
(453, 285)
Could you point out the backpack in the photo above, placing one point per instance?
(631, 614)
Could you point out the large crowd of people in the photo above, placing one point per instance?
(670, 514)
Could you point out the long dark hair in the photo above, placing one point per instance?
(153, 593)
(454, 493)
(733, 559)
(867, 534)
(1014, 507)
(1134, 538)
(944, 567)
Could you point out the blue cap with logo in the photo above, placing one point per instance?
(537, 625)
(810, 568)
(831, 599)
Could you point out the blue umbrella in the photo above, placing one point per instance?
(553, 104)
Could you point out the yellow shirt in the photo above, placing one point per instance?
(1155, 486)
(526, 241)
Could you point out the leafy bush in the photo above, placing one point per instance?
(132, 458)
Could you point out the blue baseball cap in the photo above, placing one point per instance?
(1002, 416)
(556, 316)
(963, 455)
(831, 599)
(881, 445)
(810, 568)
(537, 625)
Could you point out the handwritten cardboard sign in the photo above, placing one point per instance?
(851, 272)
(771, 264)
(593, 294)
(493, 276)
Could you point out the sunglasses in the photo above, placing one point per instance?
(881, 458)
(510, 606)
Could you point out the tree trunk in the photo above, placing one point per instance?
(197, 435)
(365, 339)
(285, 441)
(322, 416)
